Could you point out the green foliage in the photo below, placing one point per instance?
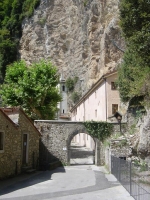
(28, 7)
(12, 12)
(75, 79)
(134, 72)
(106, 143)
(70, 83)
(75, 97)
(33, 88)
(99, 129)
(85, 3)
(141, 164)
(135, 23)
(116, 135)
(132, 81)
(132, 129)
(42, 21)
(122, 143)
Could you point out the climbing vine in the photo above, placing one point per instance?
(99, 129)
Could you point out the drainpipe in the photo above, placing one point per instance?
(105, 98)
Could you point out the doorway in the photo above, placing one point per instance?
(25, 149)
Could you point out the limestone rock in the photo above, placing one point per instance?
(80, 37)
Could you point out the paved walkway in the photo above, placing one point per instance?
(81, 155)
(82, 182)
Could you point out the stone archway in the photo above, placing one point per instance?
(56, 139)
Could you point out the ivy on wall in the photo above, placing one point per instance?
(99, 129)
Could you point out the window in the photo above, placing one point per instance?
(113, 86)
(114, 108)
(1, 141)
(63, 88)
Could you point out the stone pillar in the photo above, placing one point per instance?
(97, 153)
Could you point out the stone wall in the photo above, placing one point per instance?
(56, 139)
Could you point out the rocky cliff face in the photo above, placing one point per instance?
(81, 37)
(138, 135)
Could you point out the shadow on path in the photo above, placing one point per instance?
(26, 180)
(81, 155)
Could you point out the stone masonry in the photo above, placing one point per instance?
(56, 139)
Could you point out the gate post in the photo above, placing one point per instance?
(97, 153)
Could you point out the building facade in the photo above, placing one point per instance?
(100, 103)
(19, 142)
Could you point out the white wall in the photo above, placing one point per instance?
(97, 106)
(93, 107)
(85, 140)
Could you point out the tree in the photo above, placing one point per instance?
(32, 87)
(134, 72)
(12, 12)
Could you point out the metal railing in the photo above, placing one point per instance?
(124, 171)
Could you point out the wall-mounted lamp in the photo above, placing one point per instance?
(119, 118)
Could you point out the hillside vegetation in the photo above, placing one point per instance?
(134, 72)
(12, 12)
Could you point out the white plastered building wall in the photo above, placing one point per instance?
(98, 104)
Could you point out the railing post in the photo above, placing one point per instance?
(130, 179)
(111, 164)
(119, 170)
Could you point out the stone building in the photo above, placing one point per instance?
(19, 142)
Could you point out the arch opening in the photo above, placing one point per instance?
(82, 149)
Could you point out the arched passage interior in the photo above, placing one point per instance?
(81, 149)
